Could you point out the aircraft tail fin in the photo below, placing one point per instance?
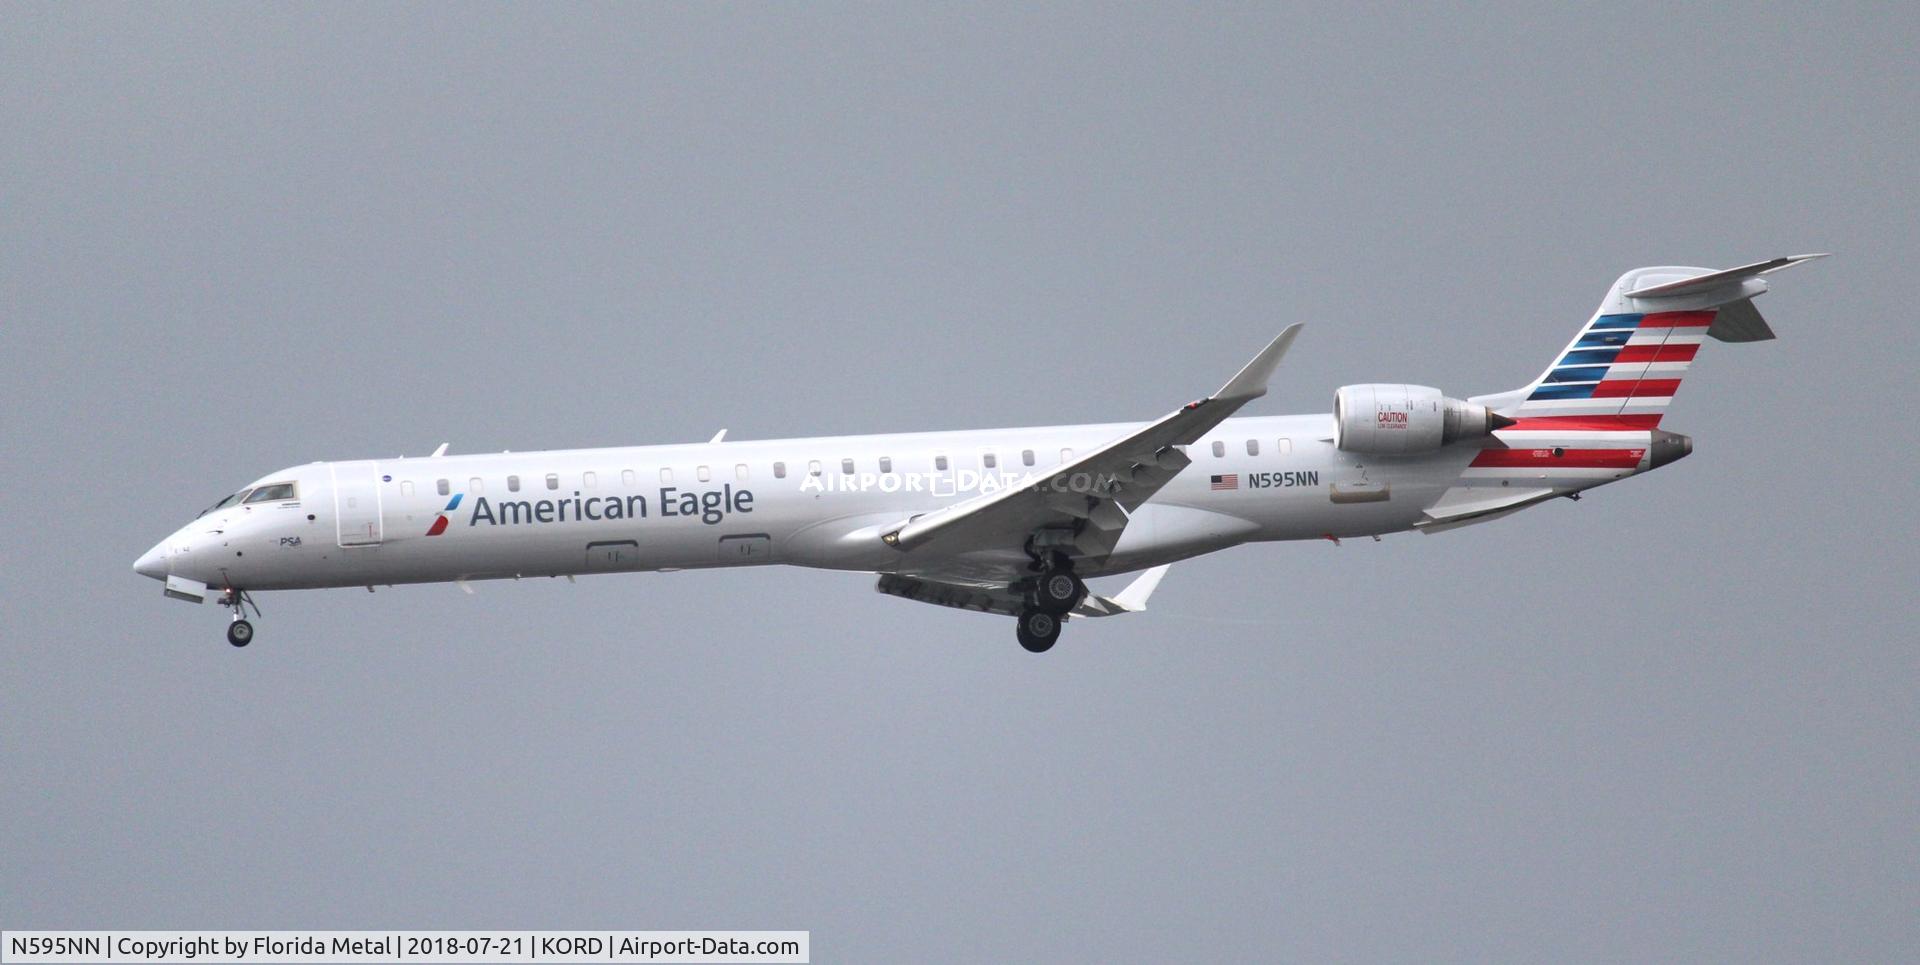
(1622, 369)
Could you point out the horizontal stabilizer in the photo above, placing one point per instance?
(1719, 279)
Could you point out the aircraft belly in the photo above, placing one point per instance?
(1315, 494)
(1163, 532)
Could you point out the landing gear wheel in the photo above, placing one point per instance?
(1057, 590)
(239, 632)
(1038, 630)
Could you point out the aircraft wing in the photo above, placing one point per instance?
(1091, 496)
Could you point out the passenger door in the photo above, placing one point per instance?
(356, 503)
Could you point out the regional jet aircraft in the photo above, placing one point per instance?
(1006, 521)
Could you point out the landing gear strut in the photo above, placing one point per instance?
(239, 632)
(1056, 589)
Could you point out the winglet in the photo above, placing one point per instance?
(1133, 599)
(1251, 382)
(718, 436)
(1719, 279)
(437, 453)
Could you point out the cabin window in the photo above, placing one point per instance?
(779, 470)
(813, 467)
(406, 487)
(988, 460)
(705, 474)
(666, 475)
(940, 463)
(589, 480)
(1253, 447)
(474, 486)
(628, 479)
(443, 487)
(513, 484)
(740, 472)
(886, 463)
(846, 467)
(553, 480)
(1284, 446)
(1026, 457)
(272, 492)
(1219, 449)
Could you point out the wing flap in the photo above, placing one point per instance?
(1132, 599)
(980, 599)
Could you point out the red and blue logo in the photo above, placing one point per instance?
(440, 522)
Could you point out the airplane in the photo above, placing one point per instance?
(1003, 521)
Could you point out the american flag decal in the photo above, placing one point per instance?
(1229, 481)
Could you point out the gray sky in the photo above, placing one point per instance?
(1673, 721)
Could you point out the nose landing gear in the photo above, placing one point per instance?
(239, 632)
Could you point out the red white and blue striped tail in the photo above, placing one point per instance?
(1624, 367)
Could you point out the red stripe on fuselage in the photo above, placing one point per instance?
(1592, 423)
(1644, 388)
(1568, 458)
(1657, 353)
(1677, 320)
(439, 526)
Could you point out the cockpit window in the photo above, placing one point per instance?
(272, 492)
(232, 500)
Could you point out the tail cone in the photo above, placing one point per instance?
(1668, 447)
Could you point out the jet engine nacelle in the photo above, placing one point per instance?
(1405, 418)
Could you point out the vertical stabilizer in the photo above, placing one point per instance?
(1622, 369)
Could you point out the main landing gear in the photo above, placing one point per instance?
(1038, 630)
(1055, 592)
(239, 632)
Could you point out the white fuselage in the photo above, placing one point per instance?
(819, 502)
(1006, 521)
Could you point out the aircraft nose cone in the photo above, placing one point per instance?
(153, 562)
